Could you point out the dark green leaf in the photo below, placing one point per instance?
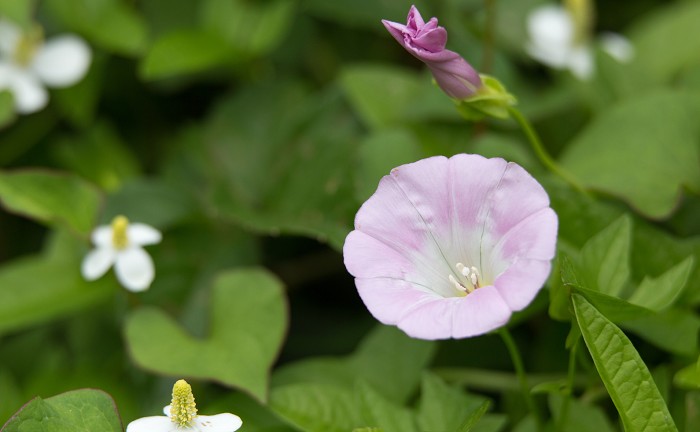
(605, 258)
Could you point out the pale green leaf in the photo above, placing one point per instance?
(581, 417)
(387, 359)
(380, 412)
(688, 377)
(605, 258)
(646, 166)
(85, 410)
(184, 52)
(247, 326)
(626, 377)
(52, 198)
(317, 407)
(674, 330)
(379, 153)
(661, 292)
(447, 408)
(251, 28)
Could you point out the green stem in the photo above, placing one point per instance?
(522, 377)
(541, 152)
(489, 31)
(564, 412)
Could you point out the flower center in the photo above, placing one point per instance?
(582, 15)
(468, 279)
(27, 46)
(182, 408)
(119, 237)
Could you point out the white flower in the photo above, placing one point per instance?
(27, 64)
(181, 416)
(120, 244)
(554, 42)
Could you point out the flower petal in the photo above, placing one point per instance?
(30, 96)
(618, 46)
(533, 238)
(551, 33)
(140, 234)
(134, 269)
(521, 282)
(218, 423)
(97, 262)
(367, 257)
(9, 36)
(152, 424)
(388, 300)
(478, 313)
(581, 62)
(62, 61)
(102, 236)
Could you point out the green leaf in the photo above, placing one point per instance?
(78, 103)
(605, 258)
(614, 308)
(111, 24)
(386, 95)
(581, 417)
(85, 410)
(688, 377)
(674, 330)
(52, 198)
(645, 166)
(18, 11)
(379, 153)
(317, 407)
(661, 292)
(623, 372)
(378, 411)
(241, 176)
(251, 28)
(35, 290)
(446, 408)
(184, 52)
(7, 107)
(387, 359)
(662, 46)
(247, 327)
(99, 154)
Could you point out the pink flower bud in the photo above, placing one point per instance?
(426, 41)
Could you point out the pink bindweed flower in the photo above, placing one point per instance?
(449, 248)
(426, 41)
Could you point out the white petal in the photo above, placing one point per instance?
(62, 61)
(134, 269)
(581, 63)
(9, 36)
(97, 262)
(166, 410)
(550, 24)
(6, 70)
(29, 94)
(217, 423)
(140, 234)
(618, 46)
(102, 236)
(153, 424)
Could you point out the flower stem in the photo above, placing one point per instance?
(564, 411)
(522, 377)
(541, 152)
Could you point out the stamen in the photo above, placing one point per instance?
(28, 45)
(471, 274)
(119, 237)
(182, 407)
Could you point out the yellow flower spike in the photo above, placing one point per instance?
(582, 13)
(182, 408)
(119, 237)
(28, 45)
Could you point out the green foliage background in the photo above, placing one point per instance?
(250, 131)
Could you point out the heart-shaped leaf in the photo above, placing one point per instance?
(84, 410)
(247, 326)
